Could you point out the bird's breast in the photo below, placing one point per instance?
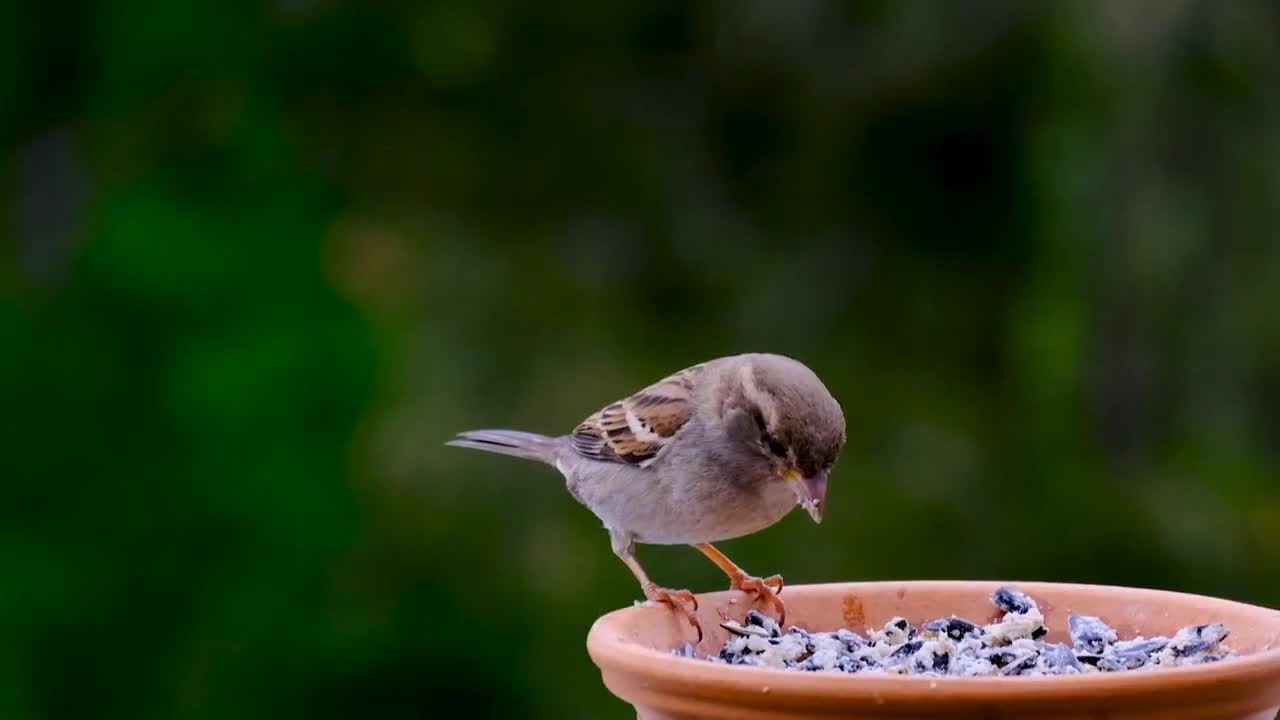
(661, 506)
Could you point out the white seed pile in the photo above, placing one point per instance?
(1011, 646)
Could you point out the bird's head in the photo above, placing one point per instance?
(790, 420)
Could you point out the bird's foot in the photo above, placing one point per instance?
(681, 601)
(766, 590)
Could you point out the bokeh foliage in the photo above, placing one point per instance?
(258, 262)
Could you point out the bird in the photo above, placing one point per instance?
(712, 452)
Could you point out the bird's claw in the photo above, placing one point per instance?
(765, 589)
(774, 582)
(682, 602)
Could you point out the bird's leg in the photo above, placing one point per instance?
(765, 589)
(681, 601)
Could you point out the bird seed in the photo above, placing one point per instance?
(953, 646)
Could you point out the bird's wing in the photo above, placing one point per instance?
(635, 430)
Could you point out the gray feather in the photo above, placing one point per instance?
(529, 446)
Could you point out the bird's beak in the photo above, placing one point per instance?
(810, 491)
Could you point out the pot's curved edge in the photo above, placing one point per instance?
(635, 673)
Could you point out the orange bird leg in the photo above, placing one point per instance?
(765, 589)
(681, 601)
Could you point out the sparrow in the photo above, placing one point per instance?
(713, 452)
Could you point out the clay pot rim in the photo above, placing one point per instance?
(694, 676)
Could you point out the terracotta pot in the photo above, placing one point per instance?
(632, 648)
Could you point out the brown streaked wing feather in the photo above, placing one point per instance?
(658, 411)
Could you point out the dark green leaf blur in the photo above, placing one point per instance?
(258, 261)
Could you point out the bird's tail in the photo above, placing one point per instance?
(530, 446)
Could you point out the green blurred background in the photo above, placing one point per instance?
(259, 261)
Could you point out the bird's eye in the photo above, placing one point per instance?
(775, 446)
